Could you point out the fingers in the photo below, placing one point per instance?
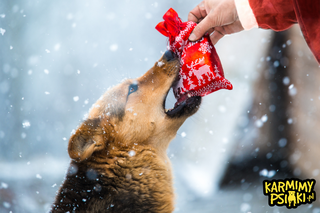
(233, 28)
(197, 13)
(201, 29)
(210, 31)
(193, 17)
(221, 16)
(215, 36)
(202, 10)
(219, 32)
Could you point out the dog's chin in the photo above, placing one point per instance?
(183, 108)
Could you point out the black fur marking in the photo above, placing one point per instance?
(93, 123)
(117, 108)
(86, 190)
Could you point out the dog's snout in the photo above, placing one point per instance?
(169, 55)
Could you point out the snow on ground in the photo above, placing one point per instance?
(30, 186)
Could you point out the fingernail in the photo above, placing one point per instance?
(192, 37)
(211, 34)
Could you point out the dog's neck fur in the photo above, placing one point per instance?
(139, 181)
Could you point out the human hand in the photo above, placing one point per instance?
(217, 17)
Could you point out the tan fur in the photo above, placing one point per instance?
(124, 143)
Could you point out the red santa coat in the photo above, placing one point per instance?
(281, 14)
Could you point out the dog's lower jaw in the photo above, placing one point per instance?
(139, 183)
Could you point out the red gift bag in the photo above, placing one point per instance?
(201, 71)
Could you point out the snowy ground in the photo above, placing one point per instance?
(28, 187)
(239, 200)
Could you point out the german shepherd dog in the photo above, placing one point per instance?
(118, 155)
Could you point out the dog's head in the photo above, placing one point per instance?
(291, 193)
(133, 113)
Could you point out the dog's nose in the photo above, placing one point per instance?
(169, 55)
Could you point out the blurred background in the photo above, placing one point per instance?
(58, 57)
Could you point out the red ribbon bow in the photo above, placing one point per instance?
(170, 27)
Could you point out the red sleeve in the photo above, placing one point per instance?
(274, 14)
(308, 14)
(281, 14)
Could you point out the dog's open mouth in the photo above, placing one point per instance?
(185, 106)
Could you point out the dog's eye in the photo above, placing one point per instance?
(133, 88)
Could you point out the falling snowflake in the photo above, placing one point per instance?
(6, 205)
(2, 31)
(183, 134)
(132, 153)
(76, 98)
(3, 185)
(160, 63)
(26, 124)
(114, 47)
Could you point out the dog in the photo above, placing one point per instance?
(292, 198)
(118, 154)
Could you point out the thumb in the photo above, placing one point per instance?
(201, 29)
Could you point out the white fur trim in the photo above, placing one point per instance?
(245, 13)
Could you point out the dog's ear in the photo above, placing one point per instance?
(87, 139)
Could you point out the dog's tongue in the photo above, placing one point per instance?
(201, 71)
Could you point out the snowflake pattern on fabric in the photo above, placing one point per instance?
(201, 71)
(216, 71)
(220, 84)
(205, 47)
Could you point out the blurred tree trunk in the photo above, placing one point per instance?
(288, 93)
(265, 144)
